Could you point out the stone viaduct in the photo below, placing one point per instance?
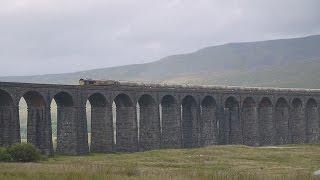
(166, 117)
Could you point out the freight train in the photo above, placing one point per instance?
(87, 82)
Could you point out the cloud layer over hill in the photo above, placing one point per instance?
(280, 63)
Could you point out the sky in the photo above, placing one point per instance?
(57, 36)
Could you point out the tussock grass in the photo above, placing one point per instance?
(215, 162)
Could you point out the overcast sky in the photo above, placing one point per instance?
(54, 36)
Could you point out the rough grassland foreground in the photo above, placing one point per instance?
(223, 162)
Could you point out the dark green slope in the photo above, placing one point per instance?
(282, 63)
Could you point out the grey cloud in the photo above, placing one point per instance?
(53, 36)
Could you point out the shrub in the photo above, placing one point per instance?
(24, 152)
(4, 155)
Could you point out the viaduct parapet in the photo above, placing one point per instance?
(149, 117)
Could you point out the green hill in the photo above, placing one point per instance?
(280, 63)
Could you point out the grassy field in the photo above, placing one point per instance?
(216, 162)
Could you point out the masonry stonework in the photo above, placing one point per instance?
(169, 116)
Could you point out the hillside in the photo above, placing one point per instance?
(280, 63)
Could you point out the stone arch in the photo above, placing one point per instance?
(232, 123)
(190, 124)
(66, 123)
(266, 124)
(170, 116)
(39, 130)
(149, 134)
(34, 99)
(126, 124)
(312, 121)
(209, 121)
(9, 120)
(101, 123)
(297, 124)
(231, 102)
(97, 100)
(123, 100)
(5, 99)
(282, 121)
(63, 99)
(250, 122)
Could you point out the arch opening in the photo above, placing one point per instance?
(34, 99)
(99, 123)
(63, 99)
(88, 123)
(266, 124)
(62, 108)
(170, 122)
(23, 119)
(250, 122)
(39, 130)
(190, 111)
(209, 122)
(53, 112)
(296, 103)
(5, 99)
(312, 121)
(97, 100)
(232, 125)
(126, 124)
(249, 102)
(123, 100)
(149, 123)
(282, 121)
(265, 102)
(297, 124)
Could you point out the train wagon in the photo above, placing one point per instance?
(87, 82)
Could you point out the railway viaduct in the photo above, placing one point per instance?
(150, 116)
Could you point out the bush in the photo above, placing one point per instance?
(4, 155)
(24, 152)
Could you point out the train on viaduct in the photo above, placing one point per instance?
(168, 116)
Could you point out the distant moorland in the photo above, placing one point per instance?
(278, 63)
